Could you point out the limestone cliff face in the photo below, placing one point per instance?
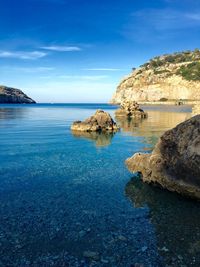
(169, 77)
(13, 95)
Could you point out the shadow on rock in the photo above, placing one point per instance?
(176, 222)
(100, 139)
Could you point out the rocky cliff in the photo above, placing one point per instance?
(164, 78)
(15, 96)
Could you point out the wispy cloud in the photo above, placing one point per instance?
(193, 16)
(51, 1)
(34, 69)
(45, 77)
(84, 77)
(151, 25)
(22, 54)
(61, 48)
(102, 69)
(163, 19)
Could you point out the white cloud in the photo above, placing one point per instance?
(103, 69)
(84, 77)
(162, 24)
(22, 54)
(167, 19)
(34, 69)
(61, 48)
(51, 1)
(45, 77)
(193, 16)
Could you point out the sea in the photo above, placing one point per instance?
(67, 199)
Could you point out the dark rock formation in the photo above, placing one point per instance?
(101, 121)
(175, 162)
(130, 109)
(15, 96)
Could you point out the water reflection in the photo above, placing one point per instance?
(157, 122)
(128, 124)
(11, 113)
(154, 126)
(100, 139)
(176, 222)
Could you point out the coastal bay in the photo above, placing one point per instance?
(66, 199)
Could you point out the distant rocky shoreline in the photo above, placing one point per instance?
(9, 95)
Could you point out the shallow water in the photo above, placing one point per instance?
(63, 194)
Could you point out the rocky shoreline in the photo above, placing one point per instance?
(174, 163)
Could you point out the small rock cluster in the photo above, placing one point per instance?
(101, 121)
(130, 109)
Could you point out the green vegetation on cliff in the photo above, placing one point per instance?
(175, 58)
(190, 71)
(189, 62)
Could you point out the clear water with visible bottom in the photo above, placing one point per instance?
(68, 200)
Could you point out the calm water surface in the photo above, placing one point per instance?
(68, 199)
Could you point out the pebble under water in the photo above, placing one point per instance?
(68, 200)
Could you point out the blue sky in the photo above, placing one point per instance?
(79, 50)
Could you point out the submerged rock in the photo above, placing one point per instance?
(167, 209)
(130, 109)
(101, 121)
(13, 95)
(175, 162)
(93, 255)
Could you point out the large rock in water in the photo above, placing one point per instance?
(101, 121)
(175, 162)
(13, 95)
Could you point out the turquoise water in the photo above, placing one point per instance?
(68, 200)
